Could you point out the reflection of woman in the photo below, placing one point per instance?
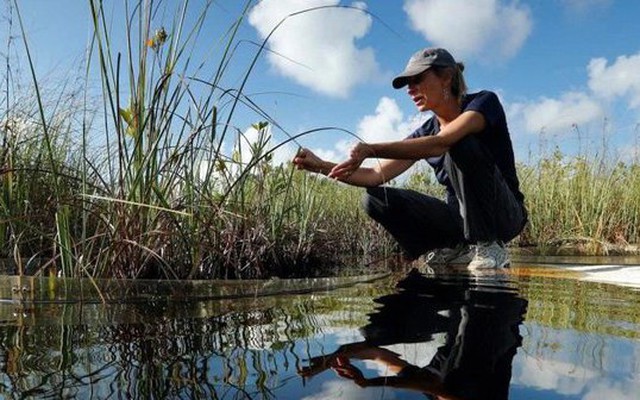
(468, 144)
(475, 361)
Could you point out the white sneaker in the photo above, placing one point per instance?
(489, 255)
(460, 254)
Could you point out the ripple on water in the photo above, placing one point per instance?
(545, 333)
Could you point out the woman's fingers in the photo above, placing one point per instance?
(348, 371)
(345, 169)
(305, 159)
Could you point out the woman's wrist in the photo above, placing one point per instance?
(325, 168)
(363, 382)
(372, 150)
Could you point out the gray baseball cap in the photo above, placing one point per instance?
(422, 61)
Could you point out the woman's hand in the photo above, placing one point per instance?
(322, 363)
(305, 159)
(317, 365)
(358, 154)
(345, 369)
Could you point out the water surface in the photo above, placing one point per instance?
(522, 333)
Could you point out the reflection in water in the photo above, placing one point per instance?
(451, 335)
(481, 326)
(232, 349)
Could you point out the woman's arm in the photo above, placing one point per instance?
(384, 171)
(429, 146)
(413, 149)
(422, 381)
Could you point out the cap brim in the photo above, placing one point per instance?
(402, 80)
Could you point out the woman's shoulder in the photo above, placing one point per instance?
(481, 100)
(429, 127)
(482, 94)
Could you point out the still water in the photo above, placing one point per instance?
(522, 333)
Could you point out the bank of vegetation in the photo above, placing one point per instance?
(139, 182)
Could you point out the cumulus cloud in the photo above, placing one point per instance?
(607, 83)
(548, 374)
(558, 371)
(557, 115)
(619, 79)
(236, 156)
(317, 49)
(483, 28)
(345, 389)
(387, 123)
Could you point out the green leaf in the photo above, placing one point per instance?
(126, 115)
(260, 125)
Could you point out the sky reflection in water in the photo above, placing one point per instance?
(511, 335)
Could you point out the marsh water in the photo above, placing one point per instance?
(520, 333)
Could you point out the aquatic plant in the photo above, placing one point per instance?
(152, 175)
(587, 201)
(152, 190)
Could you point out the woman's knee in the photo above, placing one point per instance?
(373, 201)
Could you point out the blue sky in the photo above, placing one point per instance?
(559, 66)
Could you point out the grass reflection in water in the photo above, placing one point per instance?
(545, 334)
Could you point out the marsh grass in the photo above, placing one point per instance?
(589, 202)
(182, 208)
(148, 190)
(140, 183)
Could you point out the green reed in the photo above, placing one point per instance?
(580, 305)
(147, 190)
(138, 181)
(588, 201)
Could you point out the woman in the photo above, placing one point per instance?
(467, 143)
(479, 327)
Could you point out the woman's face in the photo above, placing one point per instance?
(426, 90)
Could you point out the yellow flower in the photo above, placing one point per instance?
(158, 39)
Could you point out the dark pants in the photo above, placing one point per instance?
(487, 209)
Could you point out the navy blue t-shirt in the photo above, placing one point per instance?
(495, 137)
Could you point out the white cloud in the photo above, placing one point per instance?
(18, 127)
(252, 140)
(617, 80)
(329, 154)
(243, 151)
(387, 123)
(557, 370)
(384, 125)
(485, 29)
(342, 388)
(548, 374)
(321, 43)
(421, 353)
(613, 391)
(557, 115)
(608, 85)
(284, 154)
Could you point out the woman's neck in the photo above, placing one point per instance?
(448, 112)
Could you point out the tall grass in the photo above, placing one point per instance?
(141, 183)
(149, 192)
(588, 200)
